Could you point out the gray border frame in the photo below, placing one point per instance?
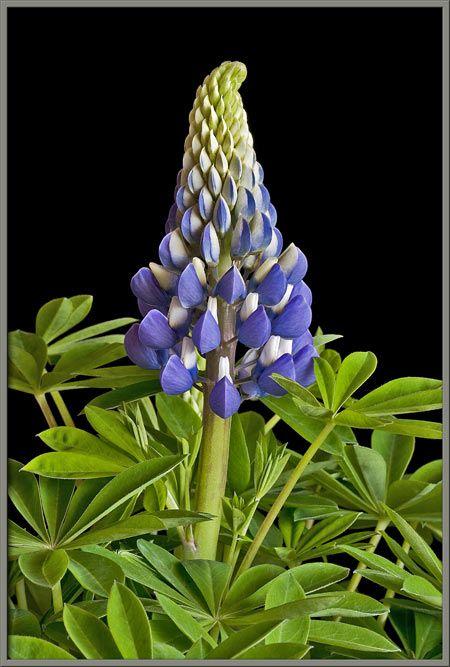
(4, 4)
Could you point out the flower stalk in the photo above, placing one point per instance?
(283, 496)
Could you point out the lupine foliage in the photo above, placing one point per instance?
(324, 546)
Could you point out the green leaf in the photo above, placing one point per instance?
(52, 318)
(324, 339)
(133, 526)
(252, 583)
(428, 635)
(95, 573)
(397, 451)
(315, 576)
(414, 427)
(430, 472)
(89, 634)
(116, 492)
(325, 379)
(89, 332)
(274, 651)
(241, 641)
(23, 622)
(409, 394)
(367, 470)
(239, 468)
(183, 620)
(27, 354)
(285, 588)
(88, 354)
(21, 541)
(305, 425)
(23, 490)
(326, 530)
(33, 648)
(422, 590)
(374, 560)
(72, 465)
(354, 419)
(44, 568)
(252, 424)
(110, 426)
(55, 496)
(132, 392)
(311, 507)
(354, 371)
(422, 551)
(129, 624)
(348, 636)
(211, 578)
(182, 420)
(353, 604)
(296, 390)
(66, 438)
(290, 610)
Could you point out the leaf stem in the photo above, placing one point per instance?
(21, 594)
(283, 496)
(273, 421)
(46, 410)
(62, 408)
(382, 524)
(389, 592)
(57, 597)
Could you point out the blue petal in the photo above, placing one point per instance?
(283, 366)
(303, 290)
(175, 378)
(245, 204)
(272, 288)
(255, 331)
(154, 331)
(273, 215)
(191, 225)
(261, 231)
(190, 290)
(224, 399)
(275, 246)
(146, 288)
(305, 339)
(206, 333)
(241, 241)
(231, 287)
(294, 320)
(139, 354)
(210, 245)
(221, 216)
(304, 365)
(265, 197)
(171, 221)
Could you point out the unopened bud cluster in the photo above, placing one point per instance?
(223, 217)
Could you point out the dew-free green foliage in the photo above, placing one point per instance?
(101, 543)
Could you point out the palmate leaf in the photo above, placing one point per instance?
(239, 467)
(23, 490)
(23, 622)
(27, 355)
(286, 588)
(59, 315)
(44, 568)
(349, 636)
(404, 395)
(354, 371)
(94, 572)
(241, 641)
(184, 620)
(90, 332)
(396, 450)
(131, 392)
(34, 648)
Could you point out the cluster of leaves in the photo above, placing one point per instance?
(100, 545)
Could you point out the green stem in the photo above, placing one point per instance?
(273, 421)
(21, 594)
(46, 410)
(382, 524)
(214, 447)
(57, 598)
(283, 496)
(62, 408)
(389, 592)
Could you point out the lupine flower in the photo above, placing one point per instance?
(222, 260)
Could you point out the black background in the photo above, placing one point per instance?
(345, 109)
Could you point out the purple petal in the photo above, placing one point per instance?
(190, 290)
(224, 399)
(294, 264)
(245, 204)
(283, 366)
(231, 287)
(221, 216)
(305, 339)
(261, 231)
(146, 288)
(175, 378)
(155, 332)
(271, 290)
(294, 320)
(191, 225)
(241, 241)
(304, 365)
(275, 246)
(255, 331)
(302, 289)
(272, 212)
(139, 354)
(210, 245)
(206, 333)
